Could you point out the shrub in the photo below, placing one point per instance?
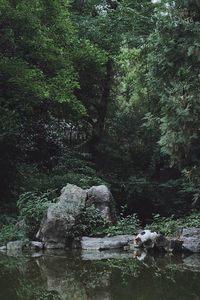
(164, 225)
(124, 225)
(11, 232)
(170, 225)
(32, 206)
(91, 223)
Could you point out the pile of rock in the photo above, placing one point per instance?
(56, 226)
(60, 218)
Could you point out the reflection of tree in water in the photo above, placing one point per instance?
(67, 276)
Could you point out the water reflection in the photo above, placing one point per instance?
(100, 276)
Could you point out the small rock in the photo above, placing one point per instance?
(161, 241)
(37, 254)
(3, 249)
(37, 246)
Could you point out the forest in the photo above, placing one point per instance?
(100, 92)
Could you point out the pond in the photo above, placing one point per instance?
(114, 275)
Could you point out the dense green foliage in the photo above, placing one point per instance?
(91, 223)
(171, 225)
(98, 92)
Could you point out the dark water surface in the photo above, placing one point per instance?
(75, 275)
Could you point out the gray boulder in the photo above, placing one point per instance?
(191, 239)
(114, 242)
(61, 216)
(101, 198)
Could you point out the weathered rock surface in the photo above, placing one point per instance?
(191, 239)
(114, 242)
(37, 246)
(101, 198)
(61, 216)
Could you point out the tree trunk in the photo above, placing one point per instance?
(98, 128)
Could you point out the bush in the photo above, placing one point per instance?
(164, 225)
(32, 206)
(91, 223)
(124, 225)
(11, 232)
(170, 225)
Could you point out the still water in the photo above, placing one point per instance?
(100, 276)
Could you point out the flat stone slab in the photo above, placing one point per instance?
(114, 242)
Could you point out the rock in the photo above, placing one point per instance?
(101, 198)
(3, 249)
(161, 241)
(190, 232)
(37, 246)
(60, 217)
(174, 245)
(15, 248)
(115, 242)
(37, 254)
(191, 239)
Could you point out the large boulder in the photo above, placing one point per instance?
(191, 239)
(105, 243)
(60, 217)
(101, 198)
